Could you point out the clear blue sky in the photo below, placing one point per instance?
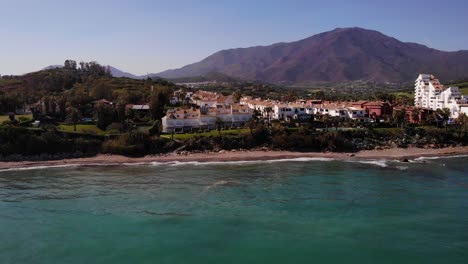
(141, 36)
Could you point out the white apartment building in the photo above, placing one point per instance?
(430, 93)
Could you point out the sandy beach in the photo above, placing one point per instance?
(224, 156)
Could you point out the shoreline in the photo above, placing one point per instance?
(230, 156)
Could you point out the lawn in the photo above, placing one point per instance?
(464, 91)
(5, 117)
(82, 128)
(229, 132)
(403, 94)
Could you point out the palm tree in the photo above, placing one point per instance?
(219, 125)
(415, 116)
(268, 110)
(400, 117)
(444, 114)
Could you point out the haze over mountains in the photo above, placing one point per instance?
(343, 54)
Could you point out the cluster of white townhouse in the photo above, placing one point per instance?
(211, 106)
(304, 109)
(210, 99)
(193, 119)
(430, 94)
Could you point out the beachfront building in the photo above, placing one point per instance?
(293, 111)
(430, 93)
(204, 118)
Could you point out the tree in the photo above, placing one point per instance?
(463, 121)
(156, 128)
(385, 97)
(73, 115)
(69, 65)
(237, 96)
(400, 117)
(327, 120)
(443, 114)
(105, 115)
(319, 95)
(12, 118)
(291, 96)
(335, 121)
(121, 114)
(157, 103)
(415, 116)
(268, 110)
(251, 124)
(101, 90)
(62, 106)
(219, 125)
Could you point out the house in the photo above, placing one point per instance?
(210, 99)
(103, 101)
(139, 107)
(25, 109)
(357, 113)
(377, 108)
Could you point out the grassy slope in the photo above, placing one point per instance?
(82, 128)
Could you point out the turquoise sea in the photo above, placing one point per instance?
(302, 211)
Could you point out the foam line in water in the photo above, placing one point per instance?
(240, 162)
(441, 157)
(380, 163)
(41, 167)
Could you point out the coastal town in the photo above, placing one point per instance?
(160, 117)
(187, 131)
(211, 107)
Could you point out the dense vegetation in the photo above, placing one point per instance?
(74, 85)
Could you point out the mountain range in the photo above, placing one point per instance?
(343, 54)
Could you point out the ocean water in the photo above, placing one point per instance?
(300, 211)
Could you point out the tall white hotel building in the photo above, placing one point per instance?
(430, 94)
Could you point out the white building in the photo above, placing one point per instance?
(210, 99)
(179, 120)
(430, 93)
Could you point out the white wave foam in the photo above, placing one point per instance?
(170, 163)
(216, 184)
(380, 163)
(441, 157)
(40, 167)
(240, 162)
